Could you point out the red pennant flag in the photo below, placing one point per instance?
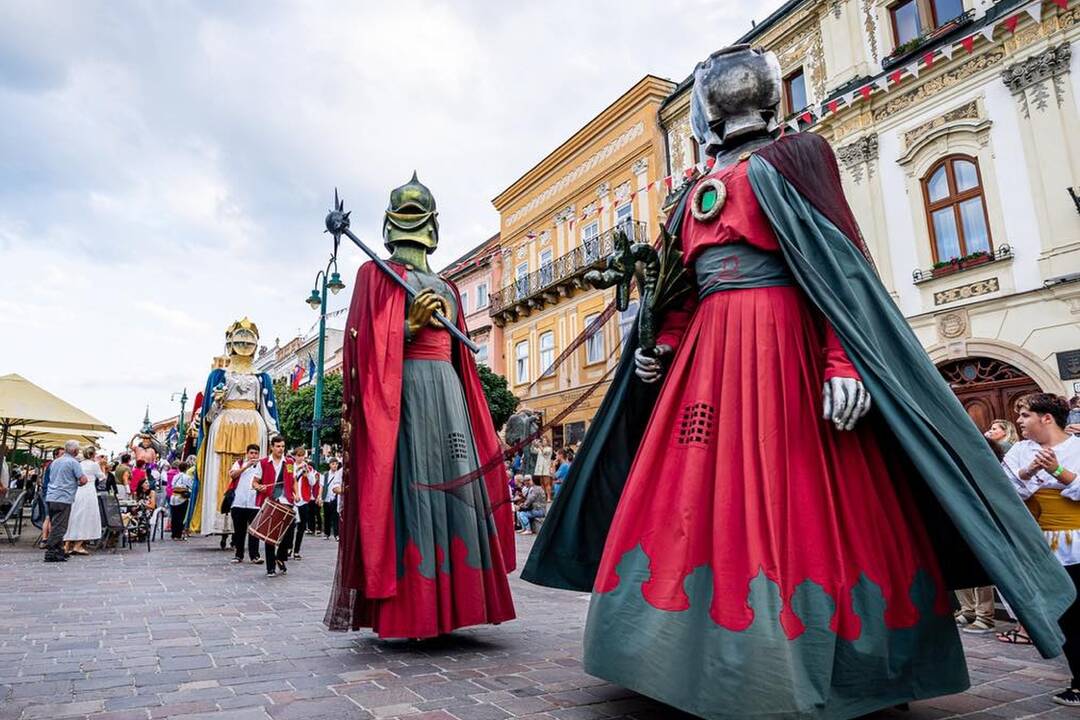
(633, 194)
(667, 182)
(865, 91)
(969, 41)
(1011, 22)
(928, 59)
(688, 172)
(709, 163)
(833, 105)
(806, 117)
(895, 76)
(1061, 3)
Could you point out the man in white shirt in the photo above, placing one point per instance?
(275, 479)
(308, 479)
(245, 504)
(178, 501)
(328, 499)
(1044, 468)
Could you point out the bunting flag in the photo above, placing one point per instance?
(882, 83)
(1035, 11)
(806, 117)
(794, 125)
(833, 105)
(969, 42)
(928, 59)
(815, 110)
(865, 91)
(895, 76)
(947, 50)
(1011, 23)
(913, 69)
(1062, 3)
(848, 97)
(988, 33)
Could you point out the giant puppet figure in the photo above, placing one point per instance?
(426, 530)
(238, 409)
(762, 540)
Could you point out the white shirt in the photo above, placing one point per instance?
(276, 464)
(245, 494)
(180, 481)
(1020, 456)
(333, 480)
(305, 474)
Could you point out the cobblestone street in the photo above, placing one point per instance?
(181, 633)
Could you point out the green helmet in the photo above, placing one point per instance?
(411, 216)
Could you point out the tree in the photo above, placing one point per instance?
(501, 402)
(297, 408)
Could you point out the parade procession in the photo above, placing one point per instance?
(748, 394)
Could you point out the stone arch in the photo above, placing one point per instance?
(1023, 360)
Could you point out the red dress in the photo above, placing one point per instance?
(737, 471)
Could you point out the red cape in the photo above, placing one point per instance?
(372, 366)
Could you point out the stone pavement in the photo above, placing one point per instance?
(180, 633)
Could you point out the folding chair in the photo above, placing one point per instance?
(11, 516)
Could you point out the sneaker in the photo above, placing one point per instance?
(256, 560)
(1069, 698)
(978, 627)
(963, 620)
(271, 574)
(236, 560)
(297, 556)
(281, 567)
(55, 558)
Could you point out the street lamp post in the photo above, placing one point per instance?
(180, 419)
(317, 300)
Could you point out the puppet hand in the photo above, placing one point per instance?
(844, 401)
(423, 308)
(649, 366)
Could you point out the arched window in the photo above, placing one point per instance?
(956, 209)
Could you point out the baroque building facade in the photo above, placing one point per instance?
(558, 221)
(956, 126)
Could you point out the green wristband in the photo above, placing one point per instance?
(1058, 471)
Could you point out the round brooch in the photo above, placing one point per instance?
(708, 199)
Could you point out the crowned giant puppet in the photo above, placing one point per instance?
(426, 531)
(780, 490)
(238, 409)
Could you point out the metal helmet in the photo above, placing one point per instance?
(736, 93)
(411, 216)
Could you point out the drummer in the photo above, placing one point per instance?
(274, 479)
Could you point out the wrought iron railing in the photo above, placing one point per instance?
(948, 267)
(587, 256)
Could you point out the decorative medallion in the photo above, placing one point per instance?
(708, 199)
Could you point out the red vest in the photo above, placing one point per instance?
(309, 493)
(269, 476)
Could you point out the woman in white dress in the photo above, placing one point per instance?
(85, 521)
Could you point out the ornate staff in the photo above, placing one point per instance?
(337, 224)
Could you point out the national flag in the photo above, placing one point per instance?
(310, 366)
(294, 378)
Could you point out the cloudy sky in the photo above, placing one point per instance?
(165, 166)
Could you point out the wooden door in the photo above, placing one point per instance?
(987, 388)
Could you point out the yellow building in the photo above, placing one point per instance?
(557, 222)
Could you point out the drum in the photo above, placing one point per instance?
(272, 520)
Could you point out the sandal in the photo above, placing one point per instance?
(1014, 637)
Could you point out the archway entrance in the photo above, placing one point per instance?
(987, 388)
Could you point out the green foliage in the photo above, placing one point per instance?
(296, 410)
(501, 402)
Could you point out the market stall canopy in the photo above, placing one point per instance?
(23, 404)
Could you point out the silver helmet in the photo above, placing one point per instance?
(736, 93)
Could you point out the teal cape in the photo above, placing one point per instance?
(981, 532)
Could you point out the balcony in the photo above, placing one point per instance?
(954, 265)
(560, 278)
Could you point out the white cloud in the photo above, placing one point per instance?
(164, 168)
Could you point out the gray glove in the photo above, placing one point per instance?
(844, 401)
(650, 366)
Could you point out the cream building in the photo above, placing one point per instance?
(959, 173)
(557, 222)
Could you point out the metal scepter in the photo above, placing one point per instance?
(337, 224)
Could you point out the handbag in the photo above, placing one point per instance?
(227, 501)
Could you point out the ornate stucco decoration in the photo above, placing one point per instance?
(860, 155)
(953, 325)
(1032, 80)
(805, 48)
(968, 111)
(589, 209)
(601, 155)
(932, 87)
(964, 292)
(640, 166)
(680, 149)
(835, 7)
(870, 25)
(623, 191)
(545, 238)
(564, 215)
(603, 190)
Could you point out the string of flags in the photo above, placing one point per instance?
(923, 62)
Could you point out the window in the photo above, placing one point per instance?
(624, 214)
(482, 355)
(594, 346)
(521, 362)
(574, 432)
(626, 319)
(481, 296)
(547, 352)
(465, 303)
(590, 240)
(545, 267)
(912, 18)
(521, 279)
(795, 91)
(955, 209)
